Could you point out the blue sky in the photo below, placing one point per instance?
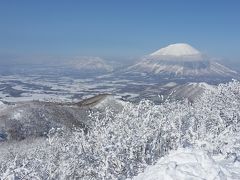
(118, 28)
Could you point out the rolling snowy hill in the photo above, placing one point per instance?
(190, 91)
(27, 119)
(90, 65)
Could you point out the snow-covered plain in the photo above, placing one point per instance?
(36, 87)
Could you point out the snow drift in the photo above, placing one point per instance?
(188, 164)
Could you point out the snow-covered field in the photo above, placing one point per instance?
(15, 88)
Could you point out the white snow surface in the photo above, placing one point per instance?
(179, 49)
(191, 164)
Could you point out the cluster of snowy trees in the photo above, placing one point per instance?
(120, 145)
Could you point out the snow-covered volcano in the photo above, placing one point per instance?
(181, 60)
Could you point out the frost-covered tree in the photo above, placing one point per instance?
(121, 144)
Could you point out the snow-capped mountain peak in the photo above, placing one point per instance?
(90, 64)
(179, 49)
